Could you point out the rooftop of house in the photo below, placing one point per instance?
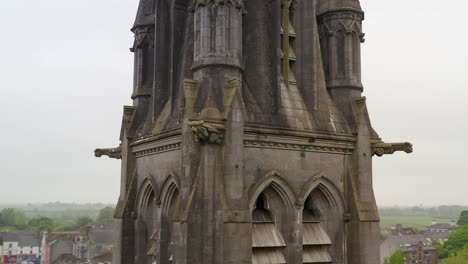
(23, 238)
(102, 233)
(436, 235)
(400, 230)
(451, 226)
(104, 257)
(53, 236)
(66, 258)
(409, 242)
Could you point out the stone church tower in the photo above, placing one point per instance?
(248, 140)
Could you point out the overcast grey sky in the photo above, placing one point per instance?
(66, 72)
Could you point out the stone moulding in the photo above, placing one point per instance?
(158, 149)
(157, 144)
(382, 148)
(113, 153)
(335, 149)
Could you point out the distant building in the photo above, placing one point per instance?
(101, 241)
(402, 231)
(20, 246)
(416, 248)
(439, 232)
(67, 259)
(64, 247)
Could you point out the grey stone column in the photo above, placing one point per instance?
(143, 49)
(341, 31)
(295, 247)
(217, 47)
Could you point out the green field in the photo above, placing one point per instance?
(419, 222)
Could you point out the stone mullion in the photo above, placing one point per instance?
(296, 248)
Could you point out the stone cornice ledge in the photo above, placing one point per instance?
(157, 146)
(282, 132)
(299, 144)
(167, 135)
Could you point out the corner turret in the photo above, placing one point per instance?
(340, 26)
(143, 49)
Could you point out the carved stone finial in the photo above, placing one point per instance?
(205, 133)
(113, 153)
(381, 149)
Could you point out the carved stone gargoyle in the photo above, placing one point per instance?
(205, 133)
(113, 153)
(382, 148)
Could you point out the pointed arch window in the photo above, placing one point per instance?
(267, 241)
(169, 203)
(315, 239)
(146, 225)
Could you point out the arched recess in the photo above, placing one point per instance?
(278, 183)
(146, 222)
(323, 225)
(169, 206)
(272, 206)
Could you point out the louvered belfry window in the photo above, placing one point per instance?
(315, 240)
(288, 36)
(267, 241)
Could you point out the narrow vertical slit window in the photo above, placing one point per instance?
(287, 38)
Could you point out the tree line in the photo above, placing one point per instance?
(12, 219)
(444, 211)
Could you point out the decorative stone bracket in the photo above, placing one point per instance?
(113, 153)
(382, 148)
(205, 133)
